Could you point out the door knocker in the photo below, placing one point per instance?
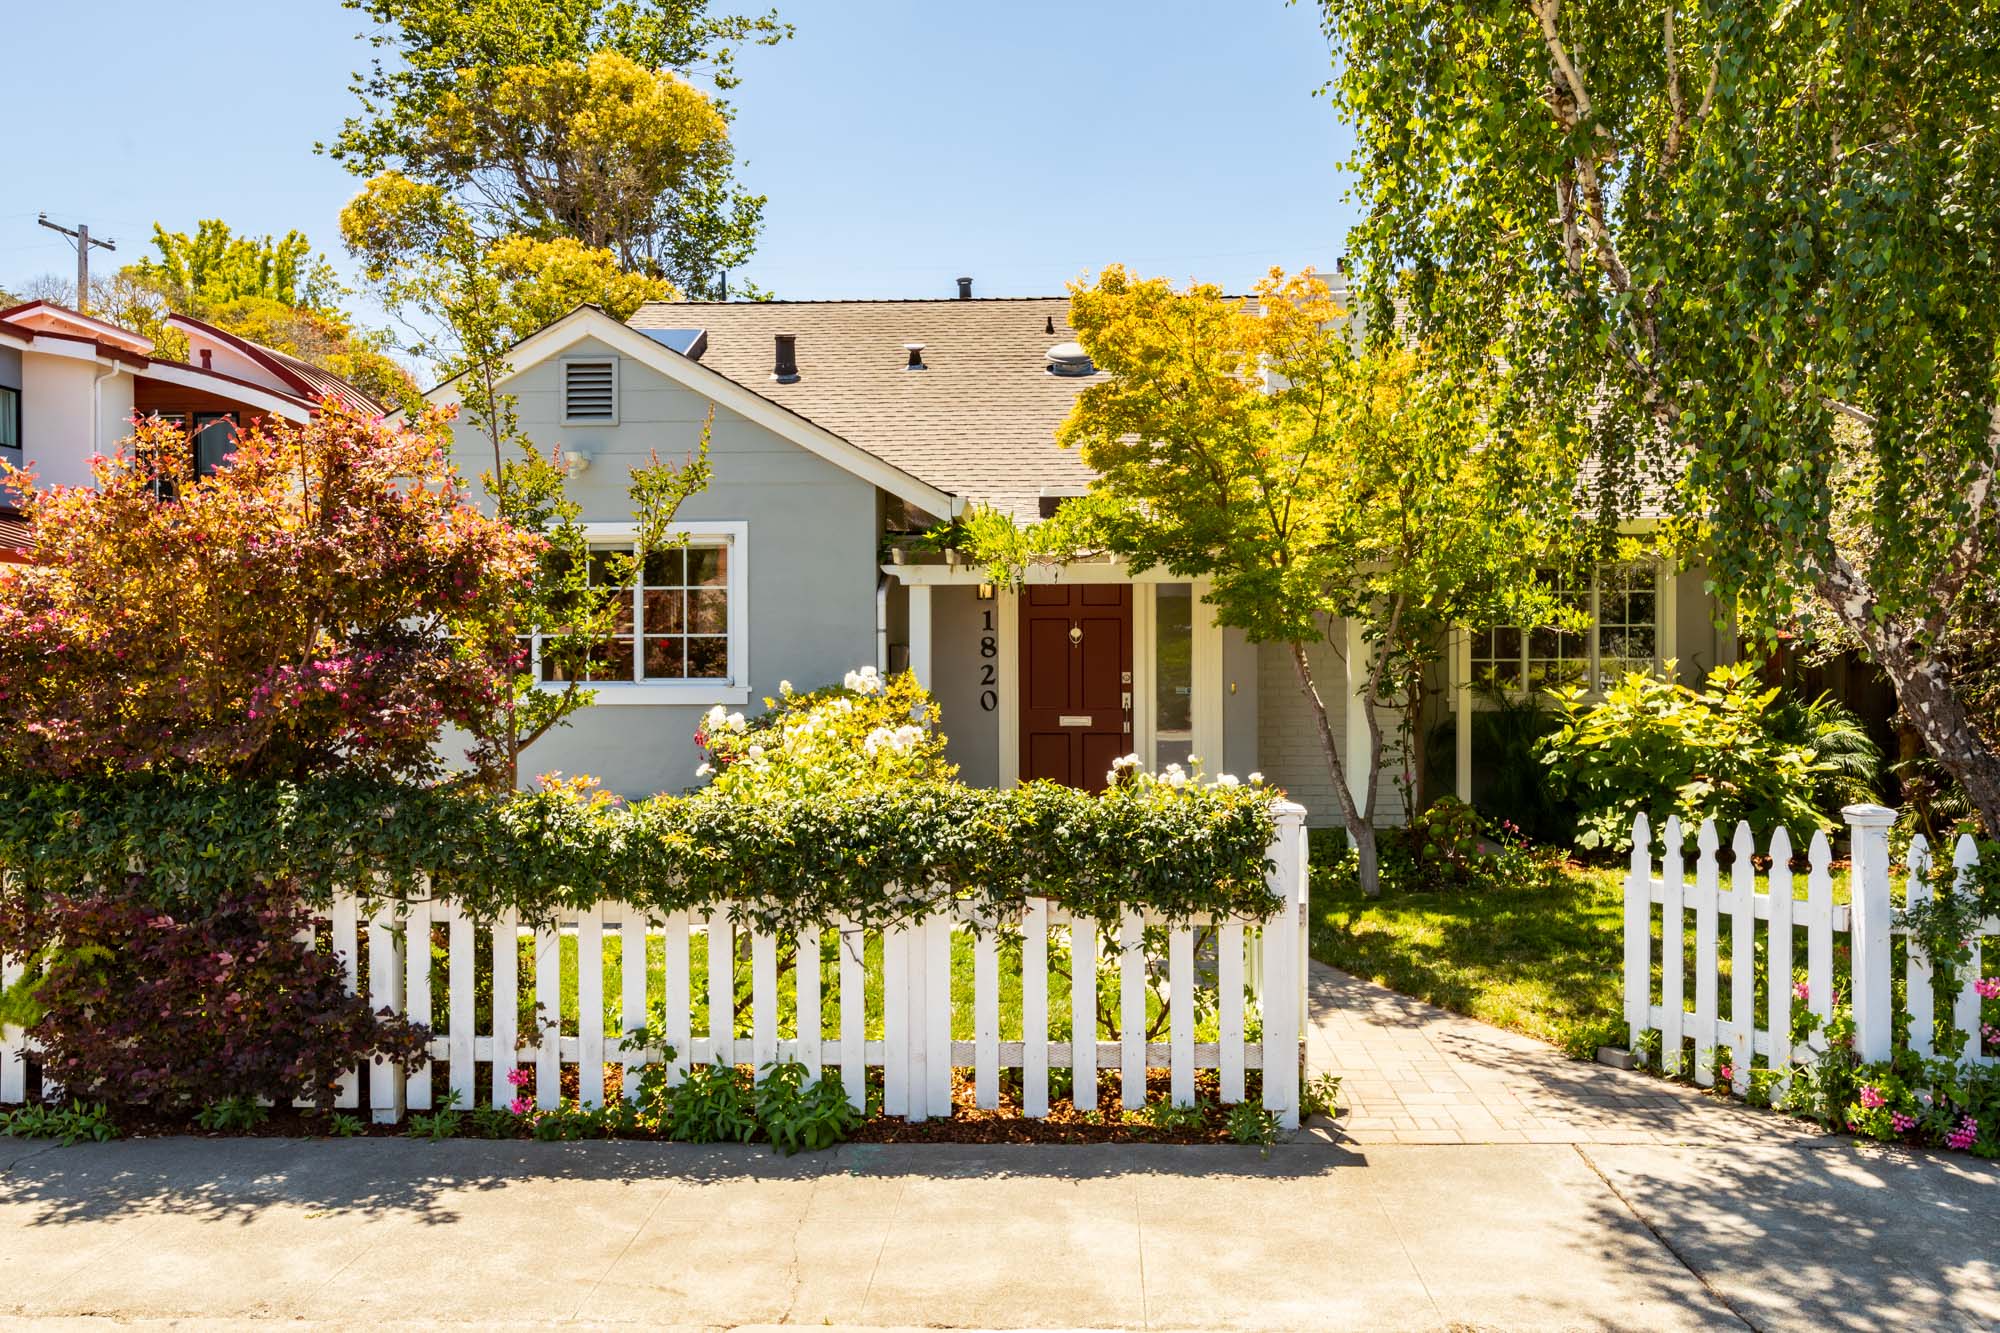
(1076, 634)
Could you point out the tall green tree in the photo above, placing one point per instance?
(1727, 233)
(566, 118)
(1253, 445)
(479, 299)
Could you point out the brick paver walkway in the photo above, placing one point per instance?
(1413, 1073)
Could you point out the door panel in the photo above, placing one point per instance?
(1076, 678)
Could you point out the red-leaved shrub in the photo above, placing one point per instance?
(141, 1006)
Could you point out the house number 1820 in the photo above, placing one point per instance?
(989, 672)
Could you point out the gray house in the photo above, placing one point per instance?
(840, 427)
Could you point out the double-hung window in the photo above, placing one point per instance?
(10, 418)
(679, 628)
(1624, 607)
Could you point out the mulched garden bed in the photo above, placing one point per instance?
(968, 1123)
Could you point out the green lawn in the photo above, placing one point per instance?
(1207, 1019)
(1546, 962)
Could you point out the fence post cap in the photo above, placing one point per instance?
(1284, 809)
(1868, 816)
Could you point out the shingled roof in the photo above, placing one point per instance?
(979, 422)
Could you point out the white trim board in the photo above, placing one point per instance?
(590, 322)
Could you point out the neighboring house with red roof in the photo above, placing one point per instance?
(841, 425)
(71, 385)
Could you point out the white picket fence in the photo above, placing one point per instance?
(916, 1053)
(1866, 924)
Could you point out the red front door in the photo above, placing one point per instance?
(1076, 681)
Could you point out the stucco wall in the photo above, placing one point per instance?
(57, 436)
(810, 601)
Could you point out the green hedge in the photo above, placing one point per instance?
(876, 856)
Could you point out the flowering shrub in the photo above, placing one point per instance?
(868, 731)
(133, 1004)
(308, 609)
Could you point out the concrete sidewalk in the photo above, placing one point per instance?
(1314, 1235)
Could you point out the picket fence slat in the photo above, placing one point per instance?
(385, 991)
(806, 968)
(506, 1003)
(1965, 1011)
(1132, 991)
(464, 1072)
(426, 959)
(548, 1019)
(1083, 1012)
(1035, 1010)
(1917, 963)
(677, 979)
(1180, 995)
(852, 945)
(635, 978)
(1863, 929)
(1673, 944)
(1229, 984)
(986, 1019)
(1742, 958)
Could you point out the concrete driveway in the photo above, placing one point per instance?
(1692, 1215)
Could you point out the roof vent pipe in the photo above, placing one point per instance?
(786, 371)
(1049, 326)
(965, 289)
(916, 351)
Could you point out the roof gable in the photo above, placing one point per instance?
(588, 322)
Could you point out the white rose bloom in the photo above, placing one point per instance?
(1225, 780)
(736, 721)
(716, 717)
(704, 770)
(784, 687)
(1256, 779)
(756, 752)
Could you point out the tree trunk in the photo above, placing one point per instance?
(1926, 693)
(1358, 827)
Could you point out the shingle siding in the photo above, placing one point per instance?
(1288, 748)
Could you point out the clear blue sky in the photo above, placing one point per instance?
(901, 144)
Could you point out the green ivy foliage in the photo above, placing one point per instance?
(876, 855)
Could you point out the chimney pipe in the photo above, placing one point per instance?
(965, 289)
(786, 371)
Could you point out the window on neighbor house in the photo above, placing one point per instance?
(672, 625)
(214, 441)
(1623, 606)
(10, 418)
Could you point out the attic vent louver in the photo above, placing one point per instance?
(590, 391)
(1070, 361)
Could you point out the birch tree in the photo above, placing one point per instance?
(1725, 234)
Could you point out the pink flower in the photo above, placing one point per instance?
(1801, 991)
(1726, 1072)
(517, 1076)
(1964, 1136)
(520, 1106)
(1871, 1097)
(1987, 988)
(1903, 1124)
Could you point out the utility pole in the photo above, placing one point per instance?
(82, 240)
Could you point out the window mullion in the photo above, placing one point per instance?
(1593, 647)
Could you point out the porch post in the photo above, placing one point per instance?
(920, 634)
(1461, 663)
(1357, 715)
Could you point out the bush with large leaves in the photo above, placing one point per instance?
(1658, 747)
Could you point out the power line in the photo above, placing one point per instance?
(82, 240)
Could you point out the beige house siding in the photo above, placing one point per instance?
(1288, 748)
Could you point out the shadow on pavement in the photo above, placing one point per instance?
(238, 1179)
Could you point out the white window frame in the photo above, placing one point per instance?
(562, 388)
(731, 533)
(1664, 614)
